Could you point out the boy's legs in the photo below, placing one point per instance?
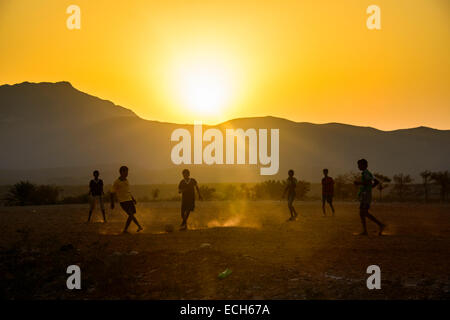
(102, 206)
(182, 216)
(136, 222)
(186, 216)
(130, 209)
(291, 199)
(362, 215)
(127, 223)
(131, 217)
(364, 212)
(330, 202)
(323, 204)
(290, 209)
(91, 207)
(371, 217)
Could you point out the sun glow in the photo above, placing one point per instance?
(204, 86)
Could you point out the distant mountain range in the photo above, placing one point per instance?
(54, 133)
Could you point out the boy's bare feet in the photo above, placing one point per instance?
(140, 229)
(382, 227)
(364, 233)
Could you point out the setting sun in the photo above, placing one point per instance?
(203, 86)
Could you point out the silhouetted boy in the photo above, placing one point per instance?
(365, 196)
(291, 185)
(186, 188)
(121, 191)
(327, 191)
(96, 194)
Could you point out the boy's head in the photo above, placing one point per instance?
(291, 173)
(186, 173)
(123, 171)
(362, 164)
(325, 172)
(96, 174)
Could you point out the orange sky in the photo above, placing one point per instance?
(309, 61)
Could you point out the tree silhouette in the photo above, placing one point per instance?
(245, 192)
(402, 184)
(303, 187)
(344, 187)
(21, 194)
(155, 193)
(384, 183)
(426, 177)
(442, 179)
(206, 192)
(26, 193)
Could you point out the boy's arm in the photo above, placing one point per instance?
(284, 191)
(365, 181)
(113, 196)
(375, 183)
(198, 191)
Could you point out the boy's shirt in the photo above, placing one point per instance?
(96, 187)
(366, 176)
(187, 189)
(122, 190)
(291, 184)
(327, 186)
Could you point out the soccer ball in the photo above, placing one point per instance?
(169, 228)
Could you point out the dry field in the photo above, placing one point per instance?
(312, 258)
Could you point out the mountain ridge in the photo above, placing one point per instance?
(67, 84)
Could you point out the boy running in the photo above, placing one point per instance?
(96, 194)
(121, 191)
(365, 196)
(290, 189)
(186, 188)
(327, 191)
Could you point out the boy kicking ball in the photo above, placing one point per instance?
(187, 188)
(365, 196)
(121, 191)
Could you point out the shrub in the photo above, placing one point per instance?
(26, 193)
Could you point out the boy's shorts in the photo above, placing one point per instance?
(291, 198)
(327, 198)
(93, 200)
(128, 207)
(365, 198)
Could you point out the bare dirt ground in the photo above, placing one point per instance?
(312, 258)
